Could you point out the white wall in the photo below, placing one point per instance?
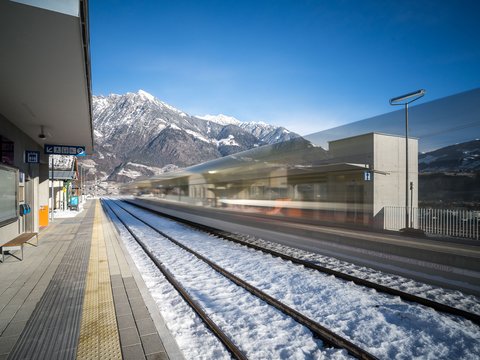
(390, 158)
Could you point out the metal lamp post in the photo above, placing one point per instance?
(405, 100)
(80, 179)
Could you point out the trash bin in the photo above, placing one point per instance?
(43, 216)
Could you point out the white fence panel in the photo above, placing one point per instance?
(447, 222)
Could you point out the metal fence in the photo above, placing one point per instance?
(456, 223)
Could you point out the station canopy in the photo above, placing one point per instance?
(45, 70)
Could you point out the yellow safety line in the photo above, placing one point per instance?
(98, 333)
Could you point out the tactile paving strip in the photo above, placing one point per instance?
(99, 337)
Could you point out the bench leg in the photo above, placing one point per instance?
(36, 242)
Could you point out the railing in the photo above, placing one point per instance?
(455, 223)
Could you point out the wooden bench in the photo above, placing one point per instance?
(17, 243)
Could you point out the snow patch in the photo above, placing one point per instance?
(175, 127)
(146, 95)
(132, 170)
(170, 107)
(427, 159)
(230, 141)
(61, 214)
(198, 136)
(132, 174)
(220, 119)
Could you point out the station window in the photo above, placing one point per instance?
(8, 194)
(6, 150)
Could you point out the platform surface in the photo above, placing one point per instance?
(78, 295)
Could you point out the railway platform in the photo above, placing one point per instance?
(78, 295)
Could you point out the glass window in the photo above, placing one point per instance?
(8, 194)
(6, 150)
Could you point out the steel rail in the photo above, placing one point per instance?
(475, 318)
(224, 339)
(328, 336)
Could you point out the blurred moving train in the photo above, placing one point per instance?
(351, 182)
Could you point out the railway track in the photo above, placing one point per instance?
(475, 318)
(327, 336)
(224, 339)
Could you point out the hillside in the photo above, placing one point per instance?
(454, 172)
(464, 157)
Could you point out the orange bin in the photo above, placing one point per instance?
(43, 216)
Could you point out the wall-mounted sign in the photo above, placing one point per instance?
(367, 176)
(64, 150)
(32, 157)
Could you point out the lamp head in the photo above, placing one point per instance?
(407, 98)
(42, 133)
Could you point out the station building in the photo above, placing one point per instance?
(45, 98)
(368, 192)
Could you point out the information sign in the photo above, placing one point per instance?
(32, 157)
(64, 150)
(367, 176)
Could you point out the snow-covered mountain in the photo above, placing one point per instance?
(450, 176)
(136, 134)
(463, 157)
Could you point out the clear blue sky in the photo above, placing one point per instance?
(305, 65)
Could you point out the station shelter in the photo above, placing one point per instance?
(45, 98)
(352, 182)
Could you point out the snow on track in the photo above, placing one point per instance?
(259, 330)
(454, 298)
(385, 325)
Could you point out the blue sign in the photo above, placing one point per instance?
(32, 157)
(367, 176)
(64, 150)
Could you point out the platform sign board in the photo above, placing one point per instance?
(64, 150)
(367, 176)
(32, 157)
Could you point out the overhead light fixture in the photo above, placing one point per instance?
(410, 96)
(42, 133)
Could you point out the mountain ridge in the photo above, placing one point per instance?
(463, 157)
(136, 134)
